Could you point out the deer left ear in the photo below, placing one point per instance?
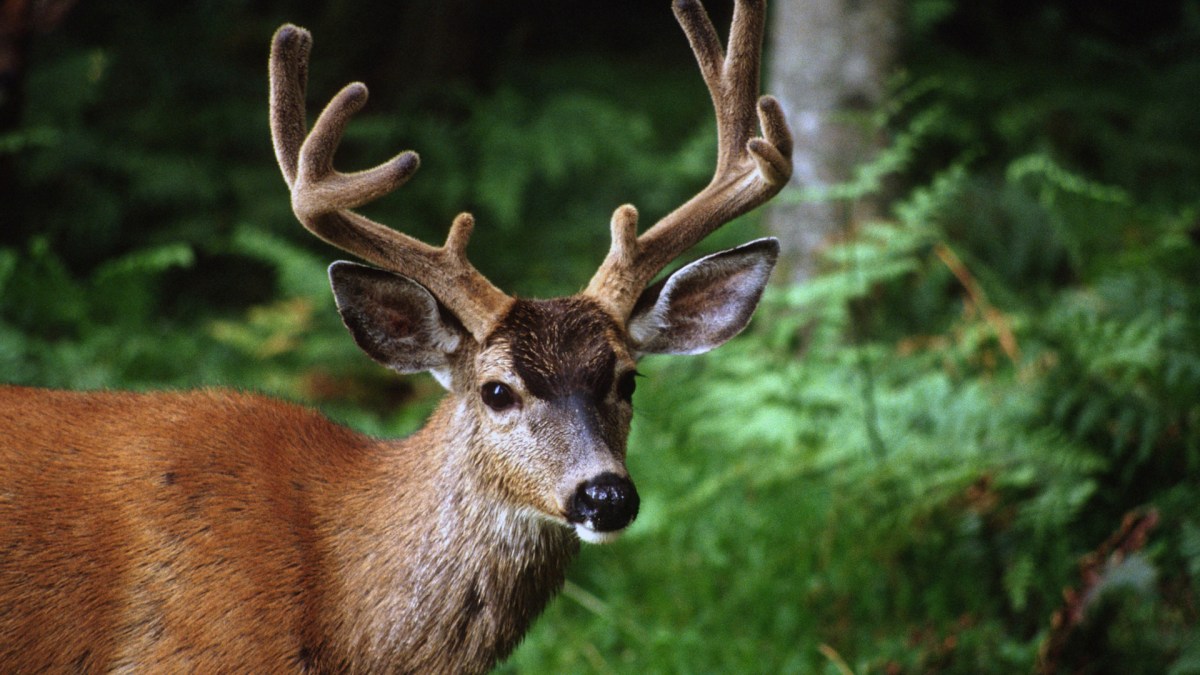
(705, 303)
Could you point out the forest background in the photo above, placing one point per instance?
(968, 443)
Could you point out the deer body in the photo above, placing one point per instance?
(293, 534)
(215, 531)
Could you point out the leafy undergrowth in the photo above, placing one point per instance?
(838, 492)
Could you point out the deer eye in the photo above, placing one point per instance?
(626, 386)
(498, 396)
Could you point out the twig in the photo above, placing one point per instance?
(1129, 538)
(994, 317)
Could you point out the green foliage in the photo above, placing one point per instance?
(898, 470)
(897, 500)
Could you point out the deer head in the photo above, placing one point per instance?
(542, 389)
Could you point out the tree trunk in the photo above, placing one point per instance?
(830, 62)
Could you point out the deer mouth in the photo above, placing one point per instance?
(592, 536)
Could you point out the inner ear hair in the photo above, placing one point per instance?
(705, 303)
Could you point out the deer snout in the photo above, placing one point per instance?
(603, 506)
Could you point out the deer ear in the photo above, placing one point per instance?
(705, 303)
(395, 320)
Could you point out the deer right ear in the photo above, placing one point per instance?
(395, 320)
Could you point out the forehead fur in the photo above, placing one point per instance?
(560, 347)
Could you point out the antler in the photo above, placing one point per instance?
(750, 170)
(322, 197)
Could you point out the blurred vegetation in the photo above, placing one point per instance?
(896, 470)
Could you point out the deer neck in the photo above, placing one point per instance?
(435, 571)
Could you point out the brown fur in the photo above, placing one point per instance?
(188, 532)
(561, 346)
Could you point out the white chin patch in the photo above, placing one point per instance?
(586, 533)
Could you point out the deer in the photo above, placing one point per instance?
(222, 531)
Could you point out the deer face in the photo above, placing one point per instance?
(549, 389)
(553, 390)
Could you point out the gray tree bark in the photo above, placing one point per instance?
(830, 61)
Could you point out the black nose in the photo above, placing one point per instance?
(605, 503)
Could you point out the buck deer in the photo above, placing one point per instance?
(214, 531)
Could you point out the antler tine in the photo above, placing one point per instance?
(749, 170)
(288, 68)
(322, 197)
